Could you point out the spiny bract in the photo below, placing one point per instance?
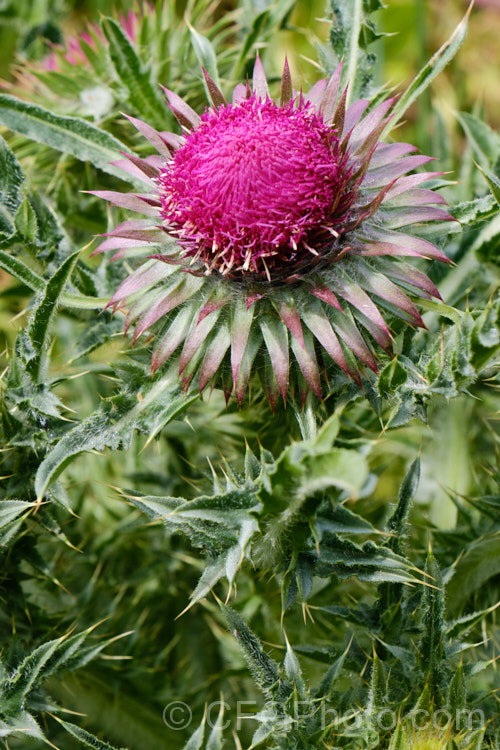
(272, 236)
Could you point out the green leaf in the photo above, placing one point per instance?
(22, 724)
(21, 271)
(251, 37)
(341, 520)
(97, 333)
(206, 55)
(392, 376)
(26, 221)
(146, 99)
(486, 245)
(396, 523)
(210, 576)
(328, 432)
(293, 671)
(427, 74)
(37, 334)
(398, 740)
(378, 688)
(353, 48)
(215, 740)
(493, 182)
(28, 674)
(196, 740)
(328, 682)
(87, 739)
(470, 212)
(369, 562)
(480, 562)
(475, 740)
(483, 140)
(67, 652)
(10, 510)
(352, 33)
(431, 647)
(68, 134)
(112, 425)
(342, 468)
(457, 694)
(11, 179)
(265, 670)
(214, 523)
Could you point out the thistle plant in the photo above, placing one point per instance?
(282, 487)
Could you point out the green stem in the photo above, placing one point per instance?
(425, 109)
(82, 302)
(353, 50)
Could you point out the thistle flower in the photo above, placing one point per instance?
(75, 70)
(73, 51)
(273, 237)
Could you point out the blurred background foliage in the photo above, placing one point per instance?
(416, 28)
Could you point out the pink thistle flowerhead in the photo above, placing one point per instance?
(73, 76)
(273, 236)
(73, 52)
(256, 188)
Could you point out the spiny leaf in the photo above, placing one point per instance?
(328, 682)
(341, 520)
(484, 141)
(479, 562)
(38, 330)
(396, 523)
(378, 687)
(206, 54)
(195, 742)
(127, 65)
(210, 576)
(398, 741)
(457, 694)
(352, 33)
(293, 671)
(470, 212)
(17, 268)
(427, 74)
(464, 624)
(26, 221)
(22, 724)
(68, 134)
(493, 182)
(431, 647)
(11, 179)
(368, 562)
(265, 669)
(21, 271)
(215, 740)
(10, 510)
(87, 739)
(112, 425)
(486, 246)
(49, 658)
(214, 523)
(28, 674)
(339, 467)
